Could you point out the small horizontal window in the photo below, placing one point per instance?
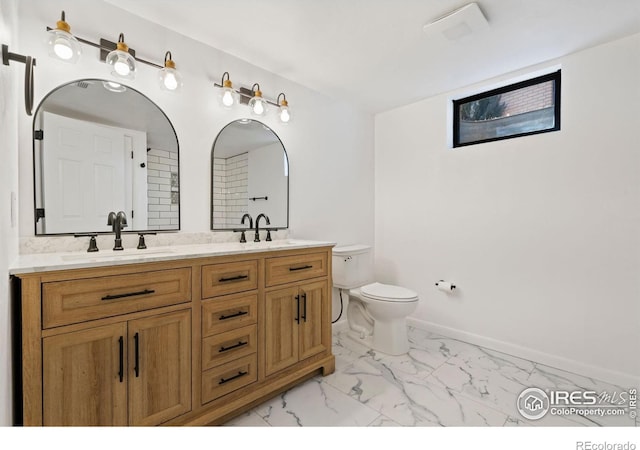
(520, 109)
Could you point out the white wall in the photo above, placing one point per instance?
(540, 233)
(267, 178)
(329, 143)
(327, 138)
(10, 83)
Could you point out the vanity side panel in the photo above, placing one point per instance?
(327, 312)
(31, 351)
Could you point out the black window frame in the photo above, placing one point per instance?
(553, 76)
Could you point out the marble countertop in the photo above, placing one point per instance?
(46, 262)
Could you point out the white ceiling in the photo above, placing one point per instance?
(375, 53)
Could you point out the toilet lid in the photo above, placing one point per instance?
(388, 292)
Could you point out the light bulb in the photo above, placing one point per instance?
(257, 104)
(62, 49)
(62, 44)
(258, 108)
(284, 115)
(227, 98)
(170, 78)
(170, 81)
(121, 68)
(122, 62)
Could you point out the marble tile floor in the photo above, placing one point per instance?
(440, 382)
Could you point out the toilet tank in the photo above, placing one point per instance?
(352, 266)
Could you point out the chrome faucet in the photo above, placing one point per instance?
(117, 222)
(257, 237)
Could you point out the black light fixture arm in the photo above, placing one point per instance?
(29, 62)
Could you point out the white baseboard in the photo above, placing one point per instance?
(621, 379)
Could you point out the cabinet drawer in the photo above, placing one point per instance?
(226, 314)
(289, 269)
(66, 302)
(229, 278)
(227, 378)
(225, 347)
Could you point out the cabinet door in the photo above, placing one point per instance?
(281, 328)
(159, 368)
(84, 378)
(312, 298)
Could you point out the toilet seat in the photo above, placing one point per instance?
(388, 293)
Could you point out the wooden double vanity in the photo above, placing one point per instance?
(193, 336)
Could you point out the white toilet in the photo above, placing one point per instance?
(377, 313)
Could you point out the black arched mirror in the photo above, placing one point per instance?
(100, 146)
(250, 174)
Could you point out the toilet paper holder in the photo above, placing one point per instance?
(452, 286)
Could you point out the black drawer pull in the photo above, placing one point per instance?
(297, 319)
(231, 316)
(304, 298)
(129, 294)
(226, 349)
(239, 277)
(293, 269)
(121, 358)
(136, 367)
(240, 374)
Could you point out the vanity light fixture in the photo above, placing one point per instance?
(283, 109)
(228, 97)
(170, 78)
(123, 63)
(257, 104)
(122, 59)
(62, 44)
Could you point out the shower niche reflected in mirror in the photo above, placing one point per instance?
(100, 146)
(250, 174)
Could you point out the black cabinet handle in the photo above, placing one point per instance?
(304, 314)
(136, 345)
(240, 374)
(236, 278)
(293, 269)
(226, 349)
(129, 294)
(121, 371)
(298, 308)
(231, 316)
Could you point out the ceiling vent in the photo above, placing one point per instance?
(459, 23)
